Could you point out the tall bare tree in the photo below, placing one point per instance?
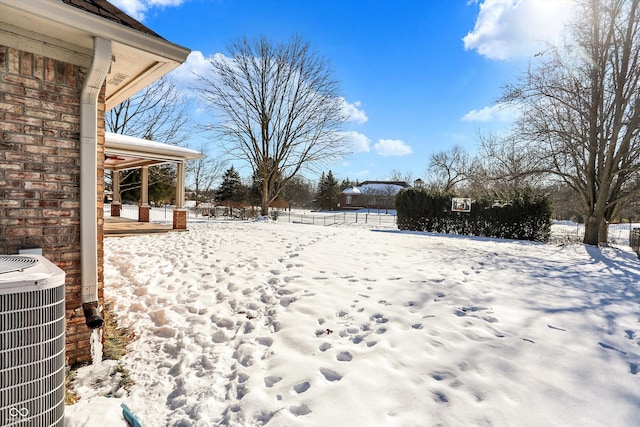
(449, 168)
(506, 163)
(277, 108)
(157, 113)
(582, 110)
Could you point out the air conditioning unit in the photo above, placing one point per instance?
(32, 341)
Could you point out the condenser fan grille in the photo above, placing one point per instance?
(10, 263)
(32, 342)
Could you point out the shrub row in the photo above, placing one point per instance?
(522, 215)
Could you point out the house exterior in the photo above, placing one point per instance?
(372, 195)
(63, 64)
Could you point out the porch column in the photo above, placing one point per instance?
(116, 204)
(179, 213)
(143, 209)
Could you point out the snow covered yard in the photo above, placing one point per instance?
(263, 323)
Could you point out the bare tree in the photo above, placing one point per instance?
(448, 169)
(277, 108)
(581, 110)
(203, 173)
(398, 176)
(506, 163)
(157, 113)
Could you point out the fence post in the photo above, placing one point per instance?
(634, 240)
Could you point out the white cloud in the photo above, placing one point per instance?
(138, 8)
(495, 113)
(392, 147)
(186, 75)
(359, 143)
(508, 29)
(353, 111)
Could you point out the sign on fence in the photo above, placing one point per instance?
(459, 204)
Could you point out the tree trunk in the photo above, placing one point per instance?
(264, 208)
(603, 233)
(591, 230)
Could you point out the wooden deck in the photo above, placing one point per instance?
(119, 226)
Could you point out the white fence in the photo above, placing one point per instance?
(562, 232)
(571, 232)
(338, 218)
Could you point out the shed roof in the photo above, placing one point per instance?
(377, 187)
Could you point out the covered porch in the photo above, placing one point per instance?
(125, 153)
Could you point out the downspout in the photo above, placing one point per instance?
(94, 80)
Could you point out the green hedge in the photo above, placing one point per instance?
(522, 215)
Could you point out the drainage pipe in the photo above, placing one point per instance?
(93, 83)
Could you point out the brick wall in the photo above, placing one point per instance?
(40, 172)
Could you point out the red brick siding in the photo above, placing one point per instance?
(40, 172)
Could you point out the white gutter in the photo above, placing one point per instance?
(93, 83)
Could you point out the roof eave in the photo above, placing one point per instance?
(158, 56)
(98, 26)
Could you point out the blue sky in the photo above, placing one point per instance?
(418, 76)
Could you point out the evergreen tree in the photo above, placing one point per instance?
(347, 183)
(231, 188)
(328, 195)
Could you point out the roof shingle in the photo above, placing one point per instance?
(106, 10)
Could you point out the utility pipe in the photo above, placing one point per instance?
(94, 80)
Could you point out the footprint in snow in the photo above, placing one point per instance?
(378, 318)
(302, 387)
(265, 341)
(440, 397)
(344, 356)
(271, 380)
(330, 374)
(300, 410)
(324, 346)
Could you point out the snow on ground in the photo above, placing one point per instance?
(265, 323)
